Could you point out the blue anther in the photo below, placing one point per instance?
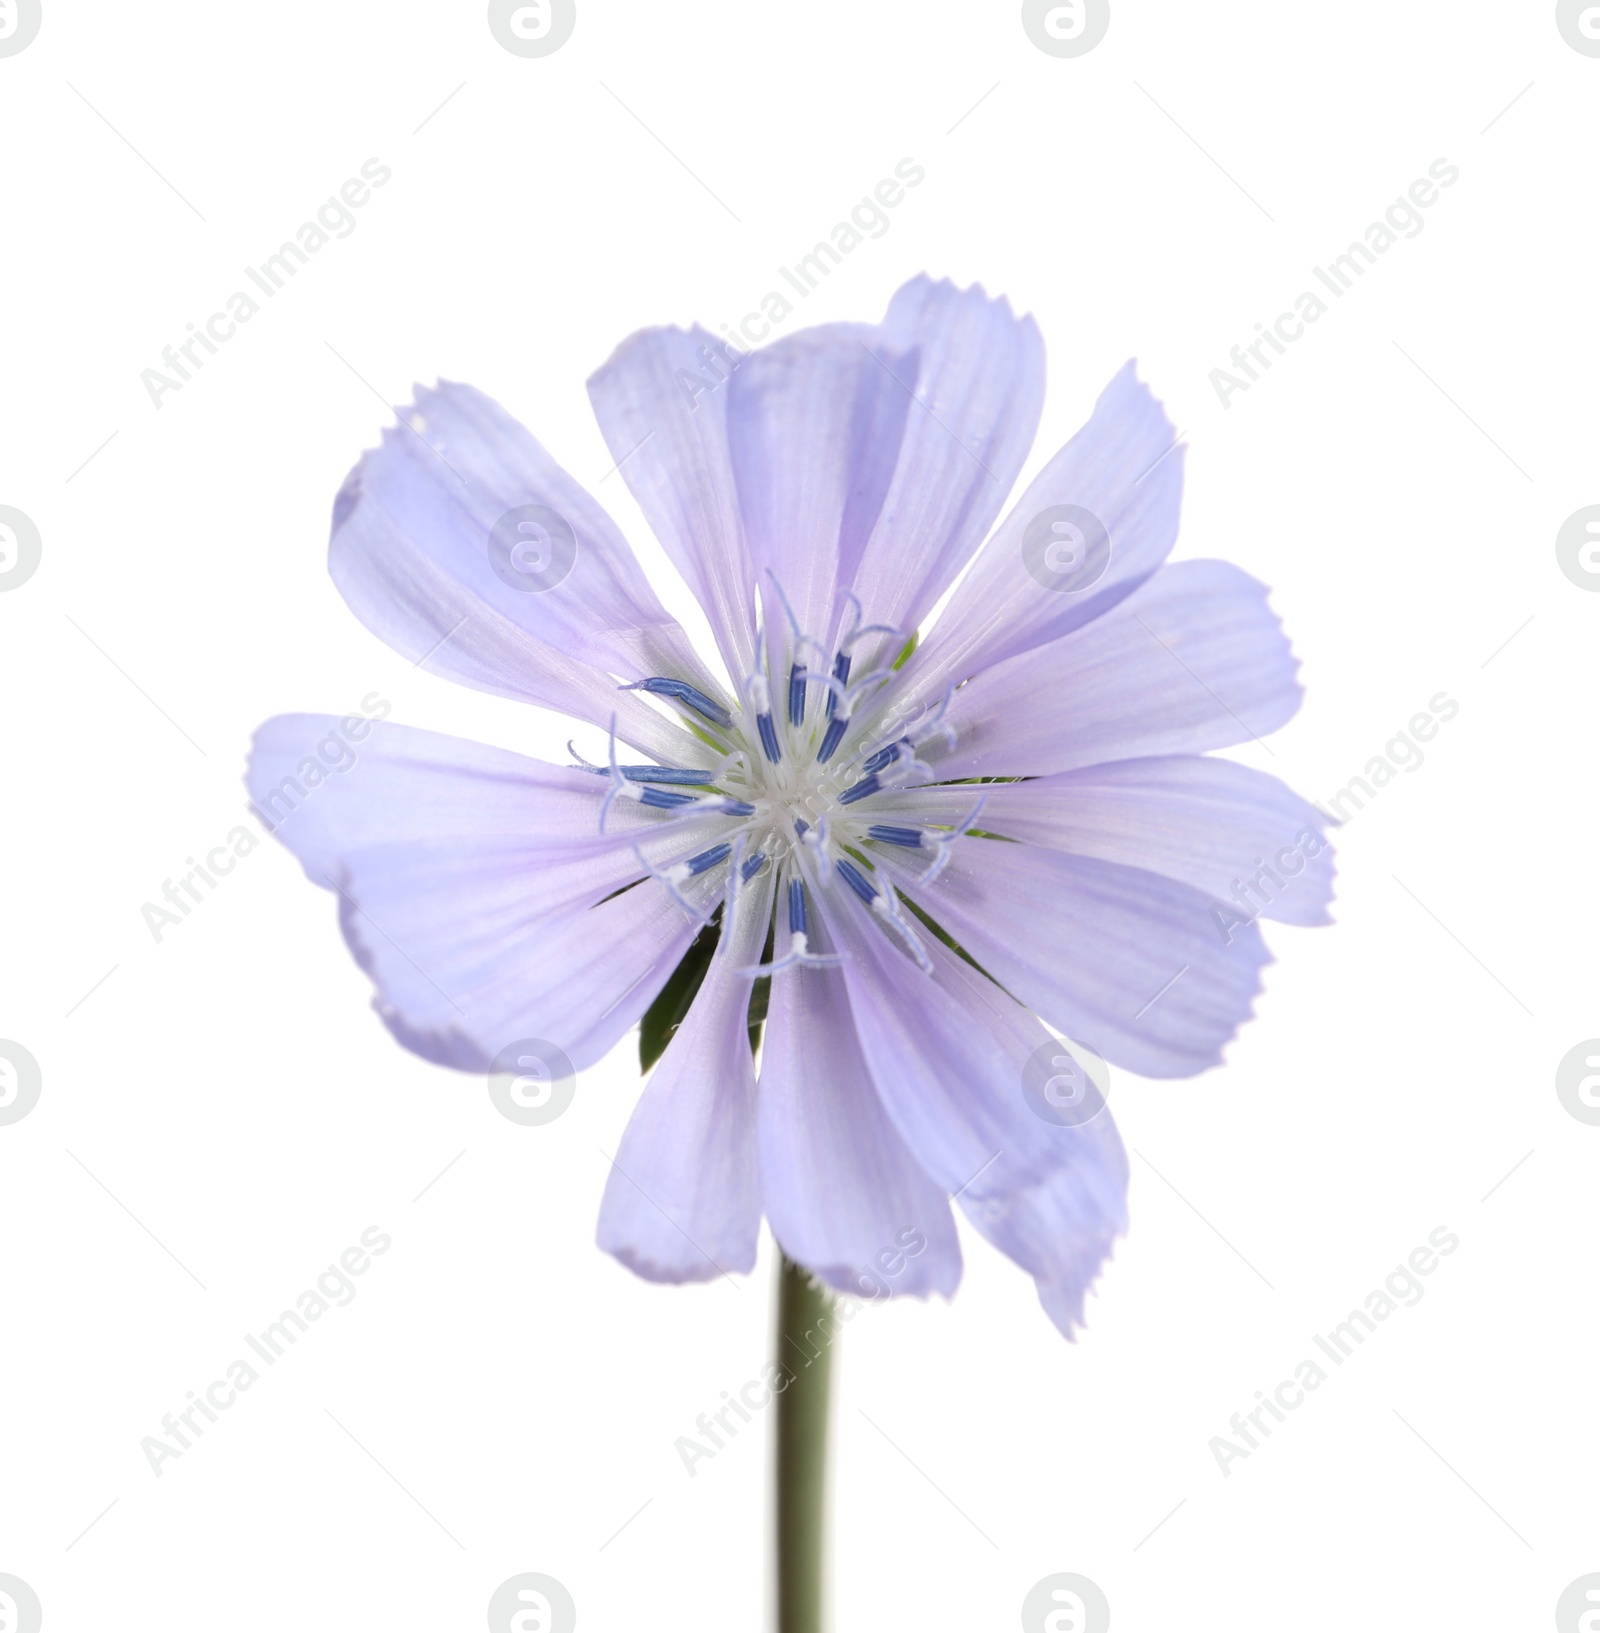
(682, 692)
(801, 827)
(799, 930)
(753, 866)
(663, 801)
(797, 908)
(686, 776)
(833, 736)
(797, 694)
(769, 737)
(841, 673)
(867, 785)
(883, 757)
(707, 859)
(911, 838)
(857, 881)
(738, 807)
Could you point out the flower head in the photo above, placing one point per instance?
(940, 853)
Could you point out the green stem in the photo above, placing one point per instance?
(806, 1335)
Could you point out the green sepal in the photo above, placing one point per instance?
(669, 1007)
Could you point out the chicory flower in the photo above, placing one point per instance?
(940, 854)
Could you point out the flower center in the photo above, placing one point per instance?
(793, 783)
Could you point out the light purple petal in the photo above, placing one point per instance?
(332, 787)
(815, 423)
(973, 374)
(950, 1054)
(473, 888)
(947, 1052)
(1209, 823)
(682, 1202)
(840, 456)
(1192, 660)
(1123, 470)
(662, 404)
(844, 1196)
(418, 528)
(579, 980)
(1061, 1230)
(1149, 972)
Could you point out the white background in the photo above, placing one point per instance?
(223, 1115)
